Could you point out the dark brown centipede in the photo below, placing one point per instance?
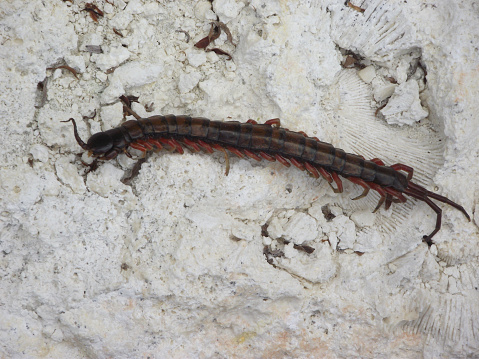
(266, 141)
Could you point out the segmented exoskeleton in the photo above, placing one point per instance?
(266, 141)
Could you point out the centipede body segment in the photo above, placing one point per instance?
(267, 141)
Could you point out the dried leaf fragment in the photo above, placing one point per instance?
(71, 69)
(117, 32)
(188, 37)
(91, 116)
(94, 49)
(349, 61)
(134, 172)
(214, 33)
(354, 7)
(42, 87)
(93, 10)
(220, 52)
(223, 27)
(127, 102)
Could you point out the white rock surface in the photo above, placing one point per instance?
(267, 262)
(404, 106)
(367, 74)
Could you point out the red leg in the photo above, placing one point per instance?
(311, 169)
(206, 146)
(274, 122)
(282, 160)
(381, 192)
(165, 141)
(407, 169)
(389, 200)
(174, 145)
(155, 143)
(136, 146)
(145, 144)
(298, 164)
(395, 193)
(192, 144)
(378, 161)
(177, 146)
(363, 184)
(253, 122)
(326, 175)
(338, 182)
(252, 155)
(235, 151)
(267, 156)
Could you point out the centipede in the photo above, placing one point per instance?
(268, 141)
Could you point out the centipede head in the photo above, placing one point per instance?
(100, 143)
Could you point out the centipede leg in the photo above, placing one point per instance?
(298, 164)
(311, 169)
(380, 203)
(192, 144)
(363, 184)
(381, 192)
(169, 147)
(306, 135)
(134, 171)
(435, 207)
(338, 182)
(205, 146)
(252, 155)
(378, 161)
(282, 160)
(145, 144)
(400, 167)
(395, 193)
(276, 122)
(267, 156)
(326, 175)
(173, 144)
(155, 143)
(236, 151)
(177, 145)
(138, 147)
(422, 194)
(389, 200)
(91, 166)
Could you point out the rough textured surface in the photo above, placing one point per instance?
(186, 262)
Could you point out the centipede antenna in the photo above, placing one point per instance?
(77, 136)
